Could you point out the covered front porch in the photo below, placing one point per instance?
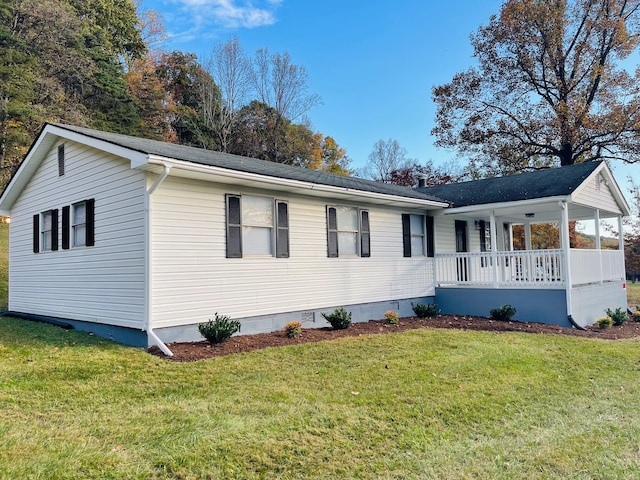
(559, 280)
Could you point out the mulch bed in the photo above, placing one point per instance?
(192, 351)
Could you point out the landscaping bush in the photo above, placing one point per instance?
(391, 317)
(423, 310)
(219, 329)
(604, 322)
(339, 319)
(293, 329)
(504, 313)
(636, 315)
(618, 316)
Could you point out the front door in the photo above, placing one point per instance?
(461, 247)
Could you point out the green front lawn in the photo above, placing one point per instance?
(420, 404)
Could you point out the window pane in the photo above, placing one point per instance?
(257, 211)
(417, 246)
(46, 221)
(46, 240)
(347, 219)
(79, 213)
(79, 236)
(417, 224)
(347, 243)
(257, 241)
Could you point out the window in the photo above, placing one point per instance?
(45, 231)
(348, 232)
(61, 160)
(417, 235)
(257, 226)
(78, 225)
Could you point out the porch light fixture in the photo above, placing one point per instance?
(477, 224)
(529, 215)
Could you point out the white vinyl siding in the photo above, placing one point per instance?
(104, 283)
(597, 194)
(193, 279)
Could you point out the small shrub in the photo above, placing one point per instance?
(339, 319)
(423, 310)
(219, 329)
(604, 322)
(391, 317)
(293, 329)
(636, 315)
(619, 316)
(504, 313)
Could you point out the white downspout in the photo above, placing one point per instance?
(148, 262)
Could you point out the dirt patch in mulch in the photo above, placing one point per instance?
(192, 351)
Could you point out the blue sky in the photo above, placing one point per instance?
(373, 62)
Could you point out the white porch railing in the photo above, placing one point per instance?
(593, 266)
(528, 268)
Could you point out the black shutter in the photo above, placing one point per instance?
(431, 247)
(282, 229)
(365, 234)
(332, 232)
(406, 235)
(66, 224)
(36, 233)
(91, 222)
(54, 229)
(234, 227)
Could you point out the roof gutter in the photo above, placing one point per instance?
(148, 266)
(497, 206)
(299, 184)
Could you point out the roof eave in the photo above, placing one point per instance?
(502, 205)
(255, 179)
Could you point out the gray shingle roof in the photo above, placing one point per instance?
(525, 186)
(246, 164)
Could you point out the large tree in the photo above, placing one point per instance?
(283, 86)
(385, 158)
(550, 87)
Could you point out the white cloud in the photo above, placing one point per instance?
(232, 13)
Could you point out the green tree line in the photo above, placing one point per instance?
(99, 63)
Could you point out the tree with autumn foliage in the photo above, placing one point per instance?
(632, 235)
(549, 88)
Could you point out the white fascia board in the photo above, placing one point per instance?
(487, 207)
(257, 179)
(136, 158)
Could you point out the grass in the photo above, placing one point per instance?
(633, 295)
(421, 404)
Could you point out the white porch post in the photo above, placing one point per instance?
(566, 250)
(494, 247)
(620, 234)
(596, 218)
(527, 236)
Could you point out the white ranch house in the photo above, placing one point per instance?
(139, 241)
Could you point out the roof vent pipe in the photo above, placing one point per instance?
(422, 182)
